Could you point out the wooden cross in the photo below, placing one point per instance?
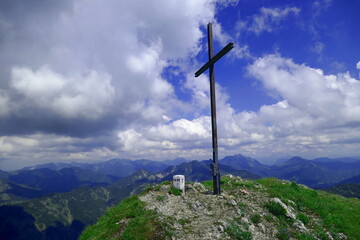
(210, 65)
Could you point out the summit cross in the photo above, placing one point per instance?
(210, 65)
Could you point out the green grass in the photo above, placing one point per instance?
(208, 184)
(160, 198)
(283, 234)
(129, 221)
(304, 218)
(184, 221)
(275, 208)
(338, 214)
(236, 233)
(166, 183)
(175, 191)
(255, 218)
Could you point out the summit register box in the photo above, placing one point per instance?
(179, 182)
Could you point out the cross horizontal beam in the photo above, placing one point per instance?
(213, 60)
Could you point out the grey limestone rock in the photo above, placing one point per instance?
(300, 226)
(232, 202)
(290, 212)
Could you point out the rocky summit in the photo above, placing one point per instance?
(198, 214)
(246, 209)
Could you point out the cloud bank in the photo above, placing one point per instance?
(85, 81)
(85, 70)
(316, 114)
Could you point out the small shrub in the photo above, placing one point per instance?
(208, 184)
(234, 231)
(275, 208)
(242, 206)
(283, 234)
(303, 218)
(249, 184)
(166, 183)
(305, 236)
(322, 236)
(184, 221)
(269, 218)
(300, 206)
(255, 218)
(160, 198)
(175, 191)
(148, 189)
(295, 186)
(238, 220)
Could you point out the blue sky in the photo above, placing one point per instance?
(89, 81)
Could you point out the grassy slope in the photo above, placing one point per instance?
(129, 220)
(347, 190)
(338, 214)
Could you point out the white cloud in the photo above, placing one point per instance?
(330, 99)
(105, 61)
(87, 96)
(85, 65)
(358, 65)
(267, 19)
(315, 116)
(101, 58)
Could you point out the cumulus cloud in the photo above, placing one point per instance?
(267, 19)
(89, 96)
(85, 81)
(330, 99)
(316, 114)
(91, 62)
(85, 69)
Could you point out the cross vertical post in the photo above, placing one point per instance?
(210, 65)
(215, 165)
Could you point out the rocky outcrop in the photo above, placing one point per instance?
(238, 213)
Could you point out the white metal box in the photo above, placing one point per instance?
(179, 182)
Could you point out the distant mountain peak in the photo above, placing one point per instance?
(242, 162)
(295, 159)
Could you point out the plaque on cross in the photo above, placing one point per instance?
(210, 65)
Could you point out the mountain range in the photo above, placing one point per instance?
(114, 167)
(67, 213)
(318, 173)
(60, 199)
